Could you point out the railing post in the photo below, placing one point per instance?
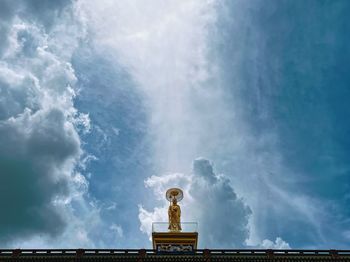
(269, 253)
(142, 254)
(79, 253)
(333, 253)
(16, 252)
(206, 255)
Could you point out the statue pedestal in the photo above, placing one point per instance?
(174, 236)
(174, 241)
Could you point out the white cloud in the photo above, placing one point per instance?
(82, 122)
(278, 244)
(208, 198)
(118, 229)
(116, 131)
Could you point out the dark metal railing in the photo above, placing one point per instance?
(137, 252)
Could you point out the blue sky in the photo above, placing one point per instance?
(243, 104)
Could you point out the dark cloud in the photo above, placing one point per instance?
(202, 167)
(39, 144)
(223, 215)
(33, 155)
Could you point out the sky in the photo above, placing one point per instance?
(244, 104)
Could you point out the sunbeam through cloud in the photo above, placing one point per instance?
(243, 104)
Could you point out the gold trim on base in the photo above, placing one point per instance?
(175, 238)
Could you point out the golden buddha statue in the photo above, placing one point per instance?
(175, 240)
(174, 213)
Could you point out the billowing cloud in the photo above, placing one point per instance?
(278, 244)
(39, 142)
(208, 198)
(194, 78)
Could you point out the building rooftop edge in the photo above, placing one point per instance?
(220, 252)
